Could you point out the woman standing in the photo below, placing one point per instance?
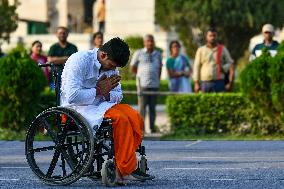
(178, 70)
(36, 55)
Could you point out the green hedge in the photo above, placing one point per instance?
(47, 98)
(217, 113)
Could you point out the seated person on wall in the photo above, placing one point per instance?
(91, 86)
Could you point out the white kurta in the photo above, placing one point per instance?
(79, 79)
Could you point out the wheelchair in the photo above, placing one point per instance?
(71, 147)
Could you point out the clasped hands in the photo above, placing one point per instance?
(106, 84)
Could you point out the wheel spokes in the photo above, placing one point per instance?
(43, 149)
(53, 163)
(68, 159)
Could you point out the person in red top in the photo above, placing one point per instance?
(36, 55)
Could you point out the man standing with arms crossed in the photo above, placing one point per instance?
(60, 51)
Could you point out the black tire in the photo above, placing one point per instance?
(72, 141)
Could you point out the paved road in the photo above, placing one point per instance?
(179, 164)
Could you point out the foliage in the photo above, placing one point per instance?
(8, 17)
(22, 81)
(262, 81)
(217, 113)
(134, 43)
(236, 21)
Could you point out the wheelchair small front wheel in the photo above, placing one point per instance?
(143, 164)
(108, 173)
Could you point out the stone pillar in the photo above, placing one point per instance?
(62, 7)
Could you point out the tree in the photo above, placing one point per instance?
(236, 21)
(8, 17)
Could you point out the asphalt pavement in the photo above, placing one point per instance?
(176, 164)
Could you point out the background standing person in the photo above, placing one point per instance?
(147, 64)
(98, 39)
(211, 63)
(268, 42)
(60, 51)
(101, 11)
(72, 23)
(178, 70)
(1, 53)
(36, 55)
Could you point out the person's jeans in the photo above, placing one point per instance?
(213, 86)
(149, 100)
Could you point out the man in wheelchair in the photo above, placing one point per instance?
(91, 86)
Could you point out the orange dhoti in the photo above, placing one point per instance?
(127, 133)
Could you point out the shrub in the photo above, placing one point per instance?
(216, 113)
(276, 75)
(21, 84)
(262, 81)
(134, 42)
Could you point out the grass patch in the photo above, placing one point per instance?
(222, 137)
(12, 135)
(20, 136)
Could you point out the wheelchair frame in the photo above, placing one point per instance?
(74, 144)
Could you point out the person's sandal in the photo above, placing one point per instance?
(139, 175)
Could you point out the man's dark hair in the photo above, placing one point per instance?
(211, 29)
(117, 50)
(63, 28)
(97, 34)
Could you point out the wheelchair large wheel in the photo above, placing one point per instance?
(59, 146)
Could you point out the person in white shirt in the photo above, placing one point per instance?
(91, 86)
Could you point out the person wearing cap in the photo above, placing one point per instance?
(268, 42)
(91, 86)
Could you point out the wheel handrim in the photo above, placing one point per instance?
(72, 147)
